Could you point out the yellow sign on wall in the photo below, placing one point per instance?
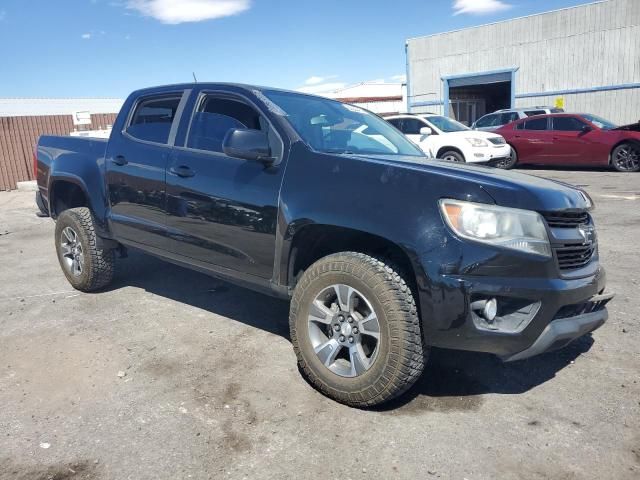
(559, 102)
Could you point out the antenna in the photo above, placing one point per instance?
(194, 77)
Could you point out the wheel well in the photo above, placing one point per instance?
(316, 241)
(446, 149)
(66, 195)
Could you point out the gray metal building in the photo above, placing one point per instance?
(587, 57)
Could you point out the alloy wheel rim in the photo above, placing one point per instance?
(628, 158)
(72, 253)
(344, 330)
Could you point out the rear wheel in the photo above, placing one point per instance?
(509, 162)
(86, 266)
(626, 157)
(452, 156)
(355, 329)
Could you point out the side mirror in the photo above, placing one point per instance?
(586, 129)
(248, 145)
(426, 131)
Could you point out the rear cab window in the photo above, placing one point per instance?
(153, 118)
(531, 113)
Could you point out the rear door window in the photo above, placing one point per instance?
(508, 117)
(153, 118)
(536, 124)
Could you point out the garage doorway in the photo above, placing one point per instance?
(469, 97)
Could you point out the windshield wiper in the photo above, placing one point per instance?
(339, 151)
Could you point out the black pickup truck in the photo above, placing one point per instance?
(382, 252)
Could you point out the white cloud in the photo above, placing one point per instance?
(3, 15)
(322, 87)
(479, 7)
(181, 11)
(399, 78)
(317, 80)
(86, 36)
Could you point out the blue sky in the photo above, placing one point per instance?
(106, 48)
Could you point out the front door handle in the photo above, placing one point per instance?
(182, 171)
(120, 160)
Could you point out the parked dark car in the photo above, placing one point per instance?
(382, 252)
(572, 140)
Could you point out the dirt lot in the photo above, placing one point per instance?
(211, 389)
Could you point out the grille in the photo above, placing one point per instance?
(574, 256)
(497, 140)
(566, 219)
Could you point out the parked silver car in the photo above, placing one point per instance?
(495, 120)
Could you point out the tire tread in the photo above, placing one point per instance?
(407, 352)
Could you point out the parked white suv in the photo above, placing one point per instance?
(444, 138)
(495, 120)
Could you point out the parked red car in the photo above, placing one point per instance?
(572, 139)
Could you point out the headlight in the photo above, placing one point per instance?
(587, 200)
(511, 228)
(477, 142)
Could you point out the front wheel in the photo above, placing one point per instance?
(86, 266)
(453, 156)
(509, 162)
(626, 157)
(355, 329)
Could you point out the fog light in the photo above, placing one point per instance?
(487, 308)
(490, 310)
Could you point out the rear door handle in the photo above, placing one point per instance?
(182, 171)
(120, 160)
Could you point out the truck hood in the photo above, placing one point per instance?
(506, 188)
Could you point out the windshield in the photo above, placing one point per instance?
(446, 124)
(600, 122)
(333, 127)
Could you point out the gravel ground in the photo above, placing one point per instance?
(170, 374)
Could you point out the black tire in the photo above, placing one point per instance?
(98, 264)
(626, 157)
(507, 163)
(401, 354)
(452, 156)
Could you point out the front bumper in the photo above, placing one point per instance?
(487, 154)
(554, 313)
(561, 332)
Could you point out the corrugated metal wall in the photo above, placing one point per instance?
(19, 135)
(589, 46)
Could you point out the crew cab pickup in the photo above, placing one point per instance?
(382, 252)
